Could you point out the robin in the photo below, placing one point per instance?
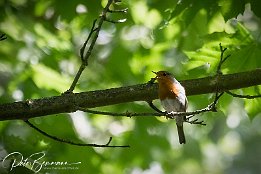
(173, 99)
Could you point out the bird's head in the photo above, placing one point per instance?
(163, 76)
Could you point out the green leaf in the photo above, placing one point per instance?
(231, 8)
(243, 59)
(149, 17)
(203, 60)
(255, 7)
(47, 78)
(253, 107)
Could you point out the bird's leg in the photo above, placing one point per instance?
(194, 121)
(154, 107)
(167, 115)
(171, 115)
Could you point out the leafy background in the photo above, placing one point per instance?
(41, 56)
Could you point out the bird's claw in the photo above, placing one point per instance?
(169, 115)
(196, 122)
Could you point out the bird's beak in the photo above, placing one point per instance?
(154, 72)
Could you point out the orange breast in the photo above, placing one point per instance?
(167, 89)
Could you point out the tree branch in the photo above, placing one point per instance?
(71, 142)
(143, 92)
(243, 96)
(222, 59)
(94, 30)
(85, 57)
(2, 37)
(153, 114)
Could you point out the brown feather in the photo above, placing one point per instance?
(166, 88)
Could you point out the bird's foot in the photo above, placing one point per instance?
(170, 115)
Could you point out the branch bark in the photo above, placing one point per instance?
(67, 103)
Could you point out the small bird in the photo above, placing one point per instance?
(173, 99)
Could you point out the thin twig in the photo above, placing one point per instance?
(97, 30)
(70, 142)
(93, 29)
(76, 78)
(3, 37)
(158, 114)
(117, 114)
(154, 107)
(218, 73)
(153, 114)
(222, 59)
(85, 57)
(243, 96)
(196, 122)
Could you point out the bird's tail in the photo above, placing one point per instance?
(181, 134)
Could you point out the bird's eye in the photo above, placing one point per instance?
(164, 74)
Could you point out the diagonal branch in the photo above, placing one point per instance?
(71, 142)
(93, 29)
(243, 96)
(222, 58)
(2, 37)
(85, 58)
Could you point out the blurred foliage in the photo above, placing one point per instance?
(41, 56)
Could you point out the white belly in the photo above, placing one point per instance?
(171, 105)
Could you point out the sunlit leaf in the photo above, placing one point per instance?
(231, 8)
(47, 78)
(253, 107)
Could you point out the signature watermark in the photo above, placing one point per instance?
(36, 162)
